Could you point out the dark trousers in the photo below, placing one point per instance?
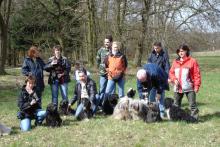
(191, 96)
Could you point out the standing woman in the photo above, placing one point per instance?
(116, 64)
(34, 65)
(185, 75)
(29, 105)
(59, 68)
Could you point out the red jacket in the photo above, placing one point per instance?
(187, 72)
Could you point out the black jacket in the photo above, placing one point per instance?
(91, 89)
(162, 60)
(63, 66)
(24, 100)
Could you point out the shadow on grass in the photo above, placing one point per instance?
(198, 104)
(208, 117)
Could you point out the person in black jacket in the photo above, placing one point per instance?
(34, 65)
(59, 68)
(29, 105)
(85, 94)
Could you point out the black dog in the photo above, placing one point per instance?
(87, 110)
(53, 118)
(109, 103)
(175, 113)
(64, 109)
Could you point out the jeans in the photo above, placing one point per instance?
(102, 85)
(94, 106)
(111, 87)
(55, 91)
(191, 96)
(152, 96)
(25, 124)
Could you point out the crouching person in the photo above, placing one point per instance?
(29, 105)
(85, 94)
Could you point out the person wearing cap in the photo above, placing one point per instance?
(185, 75)
(151, 77)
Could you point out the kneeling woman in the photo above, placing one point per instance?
(29, 105)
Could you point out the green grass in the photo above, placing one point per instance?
(104, 131)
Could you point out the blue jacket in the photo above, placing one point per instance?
(63, 66)
(156, 78)
(162, 60)
(30, 67)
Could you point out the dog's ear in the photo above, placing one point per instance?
(131, 93)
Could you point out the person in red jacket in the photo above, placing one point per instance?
(185, 75)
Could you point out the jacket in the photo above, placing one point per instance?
(187, 72)
(30, 67)
(100, 58)
(91, 89)
(116, 65)
(161, 59)
(156, 77)
(24, 100)
(63, 66)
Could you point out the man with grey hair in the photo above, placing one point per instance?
(150, 77)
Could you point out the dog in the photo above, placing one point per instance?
(109, 103)
(53, 117)
(87, 110)
(175, 113)
(130, 109)
(64, 108)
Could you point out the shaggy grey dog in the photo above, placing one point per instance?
(130, 109)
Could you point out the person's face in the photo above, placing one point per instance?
(82, 77)
(157, 49)
(37, 54)
(107, 43)
(30, 84)
(115, 47)
(182, 53)
(57, 53)
(143, 79)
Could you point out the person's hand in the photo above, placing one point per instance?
(69, 105)
(60, 75)
(176, 82)
(54, 62)
(158, 96)
(196, 90)
(33, 102)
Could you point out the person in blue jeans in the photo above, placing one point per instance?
(85, 89)
(102, 53)
(29, 105)
(34, 65)
(116, 64)
(152, 79)
(59, 68)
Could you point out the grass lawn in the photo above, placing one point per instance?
(104, 131)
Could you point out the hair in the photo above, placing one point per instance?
(119, 45)
(58, 47)
(157, 44)
(82, 70)
(30, 78)
(141, 73)
(32, 51)
(109, 37)
(185, 48)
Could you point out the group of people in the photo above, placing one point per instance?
(153, 78)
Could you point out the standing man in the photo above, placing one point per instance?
(101, 55)
(159, 57)
(149, 78)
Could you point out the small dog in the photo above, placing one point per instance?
(175, 113)
(64, 109)
(87, 111)
(53, 117)
(109, 103)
